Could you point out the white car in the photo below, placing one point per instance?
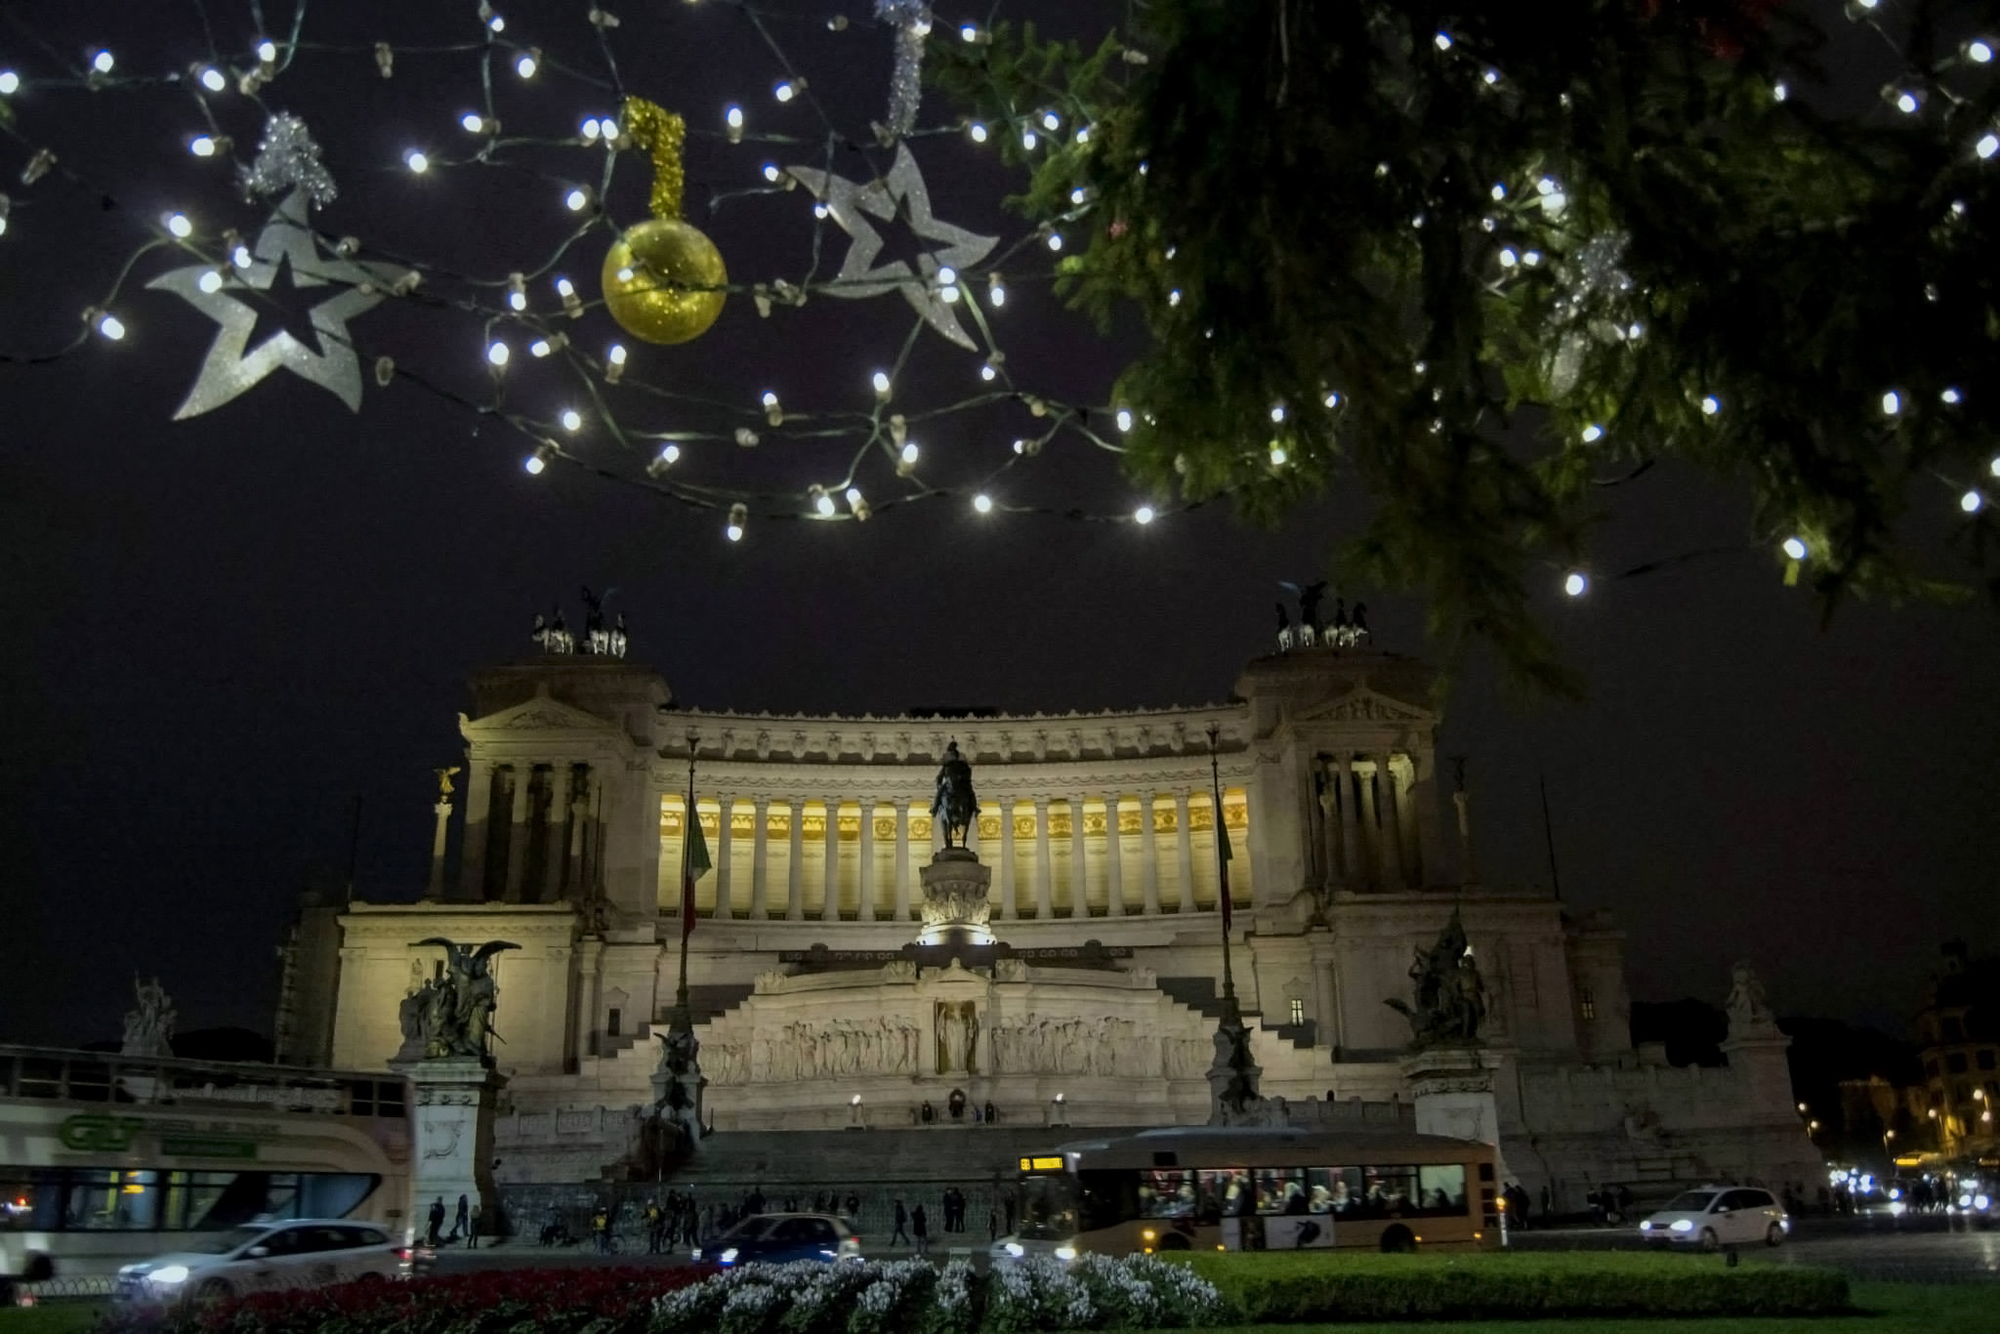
(1014, 1249)
(295, 1253)
(1718, 1216)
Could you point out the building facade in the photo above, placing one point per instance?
(1346, 850)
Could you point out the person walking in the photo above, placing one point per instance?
(472, 1231)
(902, 1218)
(853, 1208)
(655, 1228)
(600, 1230)
(462, 1224)
(920, 1230)
(437, 1221)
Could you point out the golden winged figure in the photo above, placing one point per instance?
(445, 788)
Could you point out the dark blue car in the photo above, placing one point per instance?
(780, 1238)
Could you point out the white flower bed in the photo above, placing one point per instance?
(909, 1297)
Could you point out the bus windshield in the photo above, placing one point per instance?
(1048, 1208)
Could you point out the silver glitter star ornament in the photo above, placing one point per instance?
(232, 366)
(851, 204)
(286, 159)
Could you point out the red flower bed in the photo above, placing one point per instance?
(583, 1299)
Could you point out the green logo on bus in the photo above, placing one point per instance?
(99, 1134)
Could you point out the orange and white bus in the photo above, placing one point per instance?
(1282, 1188)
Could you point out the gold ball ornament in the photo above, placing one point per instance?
(663, 281)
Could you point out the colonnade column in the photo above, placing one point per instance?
(1114, 857)
(902, 860)
(725, 810)
(1079, 903)
(1184, 850)
(795, 889)
(1149, 854)
(829, 908)
(1007, 912)
(1392, 833)
(553, 841)
(760, 857)
(472, 850)
(865, 858)
(517, 832)
(1327, 777)
(1353, 873)
(1370, 856)
(1045, 903)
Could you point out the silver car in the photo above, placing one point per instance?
(261, 1257)
(1718, 1216)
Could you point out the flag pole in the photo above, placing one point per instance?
(1230, 1013)
(682, 1018)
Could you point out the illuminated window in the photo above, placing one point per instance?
(1298, 1011)
(1587, 1001)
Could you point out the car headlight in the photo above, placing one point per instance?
(169, 1274)
(1065, 1252)
(1965, 1201)
(1016, 1249)
(1646, 1226)
(1896, 1193)
(1980, 1202)
(728, 1256)
(696, 1253)
(1682, 1225)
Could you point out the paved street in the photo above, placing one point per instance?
(1929, 1249)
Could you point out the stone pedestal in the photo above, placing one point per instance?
(451, 1153)
(1452, 1089)
(955, 908)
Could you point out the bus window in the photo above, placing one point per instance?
(1105, 1198)
(1048, 1209)
(1441, 1188)
(191, 1196)
(336, 1194)
(101, 1201)
(17, 1201)
(1166, 1193)
(1224, 1193)
(1281, 1190)
(1388, 1192)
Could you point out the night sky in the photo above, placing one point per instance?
(224, 630)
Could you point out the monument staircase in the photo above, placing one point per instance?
(1199, 994)
(704, 1003)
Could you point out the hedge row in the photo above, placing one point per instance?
(1297, 1289)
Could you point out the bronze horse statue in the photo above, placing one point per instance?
(955, 803)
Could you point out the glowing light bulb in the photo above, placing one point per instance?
(987, 373)
(670, 454)
(1576, 584)
(210, 281)
(1028, 140)
(517, 300)
(416, 162)
(1055, 240)
(734, 531)
(784, 92)
(1951, 396)
(909, 453)
(1892, 403)
(819, 210)
(572, 420)
(110, 326)
(977, 131)
(178, 224)
(733, 117)
(1906, 102)
(853, 495)
(536, 461)
(1711, 405)
(616, 356)
(996, 291)
(770, 399)
(497, 354)
(590, 129)
(1994, 467)
(1592, 433)
(1124, 419)
(824, 504)
(577, 200)
(211, 79)
(202, 146)
(1143, 515)
(1442, 41)
(1988, 145)
(1491, 77)
(881, 382)
(1508, 258)
(1051, 121)
(240, 256)
(1795, 548)
(526, 65)
(1971, 502)
(473, 122)
(1278, 413)
(267, 51)
(1332, 400)
(540, 348)
(1278, 455)
(103, 61)
(1499, 191)
(1979, 53)
(968, 32)
(983, 503)
(771, 172)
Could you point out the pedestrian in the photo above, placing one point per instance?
(655, 1228)
(437, 1221)
(1548, 1199)
(462, 1224)
(472, 1232)
(920, 1230)
(853, 1207)
(600, 1230)
(902, 1218)
(992, 1223)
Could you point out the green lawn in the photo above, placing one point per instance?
(56, 1318)
(1883, 1308)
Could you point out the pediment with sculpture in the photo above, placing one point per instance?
(1362, 705)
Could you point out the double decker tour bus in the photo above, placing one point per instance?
(1281, 1188)
(106, 1159)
